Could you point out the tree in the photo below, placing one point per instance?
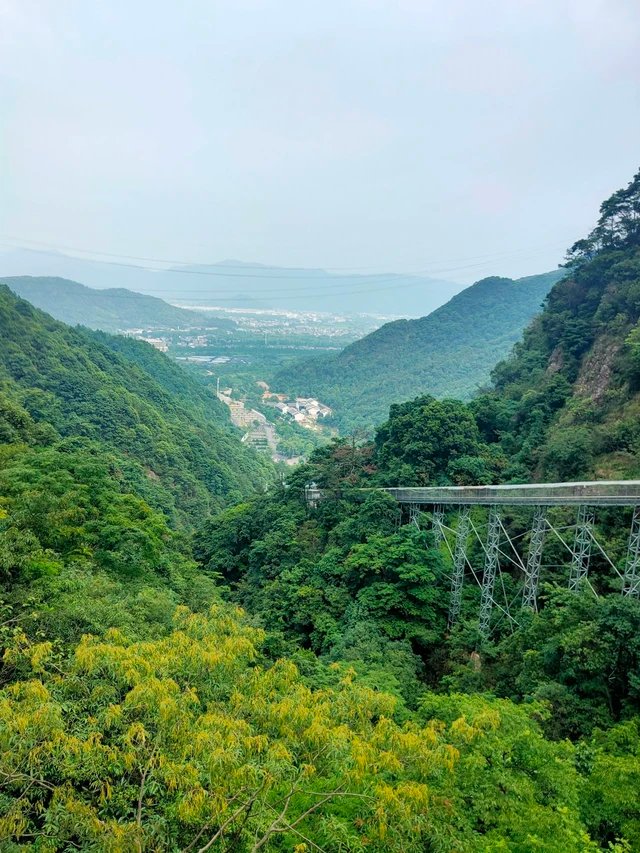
(425, 436)
(190, 742)
(618, 225)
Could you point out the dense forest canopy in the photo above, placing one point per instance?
(191, 662)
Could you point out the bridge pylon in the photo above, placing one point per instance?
(534, 559)
(459, 563)
(414, 515)
(490, 568)
(631, 581)
(581, 555)
(437, 522)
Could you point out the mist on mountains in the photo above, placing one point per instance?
(236, 284)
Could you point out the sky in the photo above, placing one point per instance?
(456, 139)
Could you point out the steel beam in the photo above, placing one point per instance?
(631, 582)
(459, 563)
(581, 554)
(534, 559)
(490, 568)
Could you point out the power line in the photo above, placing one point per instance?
(365, 281)
(179, 269)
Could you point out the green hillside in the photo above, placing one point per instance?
(141, 711)
(172, 435)
(109, 457)
(447, 353)
(112, 309)
(566, 404)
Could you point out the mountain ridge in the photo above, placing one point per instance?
(110, 309)
(567, 400)
(449, 352)
(252, 286)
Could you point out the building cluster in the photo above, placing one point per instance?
(158, 343)
(303, 410)
(193, 341)
(306, 411)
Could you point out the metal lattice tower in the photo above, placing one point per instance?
(414, 515)
(459, 563)
(490, 569)
(437, 520)
(631, 582)
(534, 559)
(581, 555)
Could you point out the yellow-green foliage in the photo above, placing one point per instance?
(187, 743)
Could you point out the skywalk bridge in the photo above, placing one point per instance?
(453, 524)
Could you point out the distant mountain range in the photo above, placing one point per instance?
(448, 353)
(242, 285)
(110, 309)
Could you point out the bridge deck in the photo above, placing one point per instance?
(595, 493)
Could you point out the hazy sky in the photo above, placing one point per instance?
(455, 137)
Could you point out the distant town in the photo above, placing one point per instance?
(307, 412)
(270, 327)
(236, 350)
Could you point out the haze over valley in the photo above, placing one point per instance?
(235, 284)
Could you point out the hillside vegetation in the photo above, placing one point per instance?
(285, 679)
(448, 353)
(171, 434)
(139, 711)
(346, 582)
(566, 404)
(112, 309)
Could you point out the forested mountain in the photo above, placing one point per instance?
(142, 709)
(172, 435)
(566, 404)
(112, 309)
(129, 722)
(447, 353)
(233, 283)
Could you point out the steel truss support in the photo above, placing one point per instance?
(581, 554)
(490, 569)
(534, 559)
(459, 563)
(414, 515)
(437, 522)
(631, 581)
